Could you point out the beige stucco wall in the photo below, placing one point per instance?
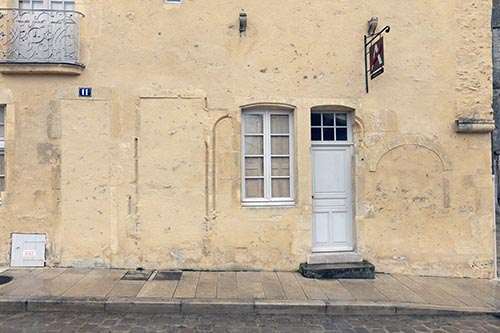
(147, 172)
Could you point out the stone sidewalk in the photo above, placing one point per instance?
(103, 290)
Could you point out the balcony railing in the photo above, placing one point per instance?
(40, 36)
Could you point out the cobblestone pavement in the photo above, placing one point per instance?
(102, 322)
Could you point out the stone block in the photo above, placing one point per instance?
(65, 305)
(334, 258)
(290, 307)
(215, 306)
(143, 305)
(12, 304)
(357, 309)
(435, 310)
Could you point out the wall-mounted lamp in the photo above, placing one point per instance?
(372, 26)
(243, 23)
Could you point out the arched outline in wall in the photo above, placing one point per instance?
(357, 121)
(437, 150)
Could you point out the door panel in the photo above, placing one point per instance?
(332, 198)
(322, 222)
(329, 184)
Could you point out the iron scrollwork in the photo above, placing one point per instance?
(40, 36)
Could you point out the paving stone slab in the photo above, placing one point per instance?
(226, 285)
(186, 288)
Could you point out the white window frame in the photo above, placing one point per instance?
(268, 200)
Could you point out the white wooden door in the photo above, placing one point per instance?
(331, 154)
(332, 199)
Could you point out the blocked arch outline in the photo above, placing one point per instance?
(436, 149)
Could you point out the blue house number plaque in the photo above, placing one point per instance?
(85, 92)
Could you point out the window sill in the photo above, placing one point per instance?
(267, 204)
(41, 68)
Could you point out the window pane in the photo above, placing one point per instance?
(254, 145)
(315, 119)
(254, 166)
(315, 134)
(253, 123)
(281, 188)
(24, 4)
(2, 134)
(2, 183)
(341, 119)
(254, 188)
(280, 166)
(280, 145)
(341, 134)
(279, 124)
(37, 4)
(327, 119)
(57, 5)
(328, 134)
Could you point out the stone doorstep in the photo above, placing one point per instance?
(356, 270)
(334, 258)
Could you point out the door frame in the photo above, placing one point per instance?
(350, 201)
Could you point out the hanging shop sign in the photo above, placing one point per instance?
(377, 58)
(374, 55)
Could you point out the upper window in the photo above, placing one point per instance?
(330, 127)
(47, 4)
(267, 140)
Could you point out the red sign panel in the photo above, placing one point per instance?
(377, 56)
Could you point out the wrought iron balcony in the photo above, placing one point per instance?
(40, 36)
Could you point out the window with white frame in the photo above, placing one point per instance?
(267, 146)
(47, 4)
(2, 148)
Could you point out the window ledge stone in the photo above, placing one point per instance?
(39, 68)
